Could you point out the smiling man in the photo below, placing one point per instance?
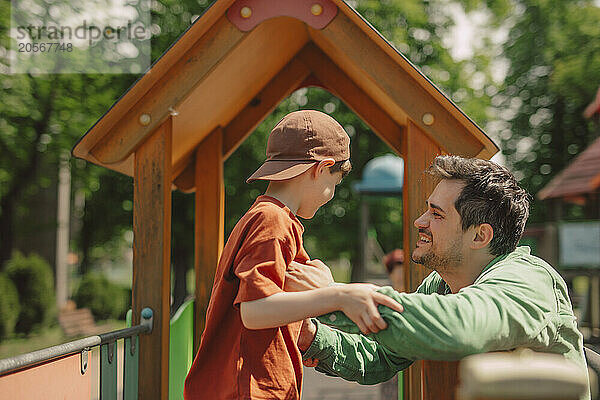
(484, 293)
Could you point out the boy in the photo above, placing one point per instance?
(248, 349)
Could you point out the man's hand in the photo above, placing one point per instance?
(359, 302)
(312, 275)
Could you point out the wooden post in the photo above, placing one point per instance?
(152, 258)
(359, 270)
(420, 151)
(62, 233)
(209, 224)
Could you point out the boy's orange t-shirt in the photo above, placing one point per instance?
(238, 363)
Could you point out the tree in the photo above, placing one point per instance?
(554, 55)
(41, 116)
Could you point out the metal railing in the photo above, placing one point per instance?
(108, 359)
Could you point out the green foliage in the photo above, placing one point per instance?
(104, 298)
(554, 56)
(34, 281)
(106, 215)
(9, 307)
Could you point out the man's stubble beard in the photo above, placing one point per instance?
(441, 262)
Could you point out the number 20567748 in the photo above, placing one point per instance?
(45, 47)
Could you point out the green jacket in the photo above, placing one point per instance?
(518, 300)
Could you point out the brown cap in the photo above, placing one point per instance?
(298, 141)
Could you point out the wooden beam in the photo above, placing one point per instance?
(180, 166)
(185, 181)
(168, 92)
(281, 86)
(151, 285)
(440, 379)
(122, 106)
(420, 152)
(209, 223)
(343, 40)
(330, 75)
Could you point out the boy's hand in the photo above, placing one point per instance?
(310, 362)
(307, 334)
(359, 302)
(312, 275)
(305, 339)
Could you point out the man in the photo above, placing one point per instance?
(394, 265)
(484, 293)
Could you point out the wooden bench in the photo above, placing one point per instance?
(77, 322)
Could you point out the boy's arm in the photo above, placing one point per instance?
(358, 301)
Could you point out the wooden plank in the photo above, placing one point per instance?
(151, 285)
(175, 86)
(230, 87)
(122, 106)
(489, 147)
(420, 152)
(440, 379)
(343, 87)
(281, 86)
(343, 39)
(209, 223)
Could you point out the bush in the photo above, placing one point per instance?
(104, 299)
(9, 307)
(34, 280)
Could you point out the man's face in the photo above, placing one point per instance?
(440, 244)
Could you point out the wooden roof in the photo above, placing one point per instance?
(581, 176)
(218, 75)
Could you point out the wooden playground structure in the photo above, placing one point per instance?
(174, 128)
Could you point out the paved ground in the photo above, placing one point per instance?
(317, 386)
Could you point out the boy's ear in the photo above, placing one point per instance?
(322, 165)
(484, 234)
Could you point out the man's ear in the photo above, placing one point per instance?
(484, 234)
(322, 165)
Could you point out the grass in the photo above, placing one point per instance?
(48, 337)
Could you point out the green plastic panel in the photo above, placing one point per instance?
(108, 371)
(401, 385)
(181, 348)
(130, 368)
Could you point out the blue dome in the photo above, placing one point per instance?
(383, 174)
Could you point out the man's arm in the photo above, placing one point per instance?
(500, 313)
(355, 358)
(508, 310)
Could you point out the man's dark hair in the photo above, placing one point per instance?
(491, 195)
